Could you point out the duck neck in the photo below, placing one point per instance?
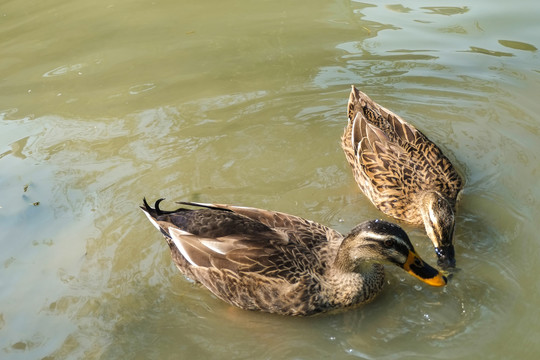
(438, 217)
(353, 283)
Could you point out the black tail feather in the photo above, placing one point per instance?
(156, 211)
(207, 206)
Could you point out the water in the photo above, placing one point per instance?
(244, 102)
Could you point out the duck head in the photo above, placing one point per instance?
(383, 242)
(438, 216)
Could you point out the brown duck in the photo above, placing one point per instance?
(270, 261)
(402, 172)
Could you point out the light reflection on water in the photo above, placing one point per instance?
(85, 262)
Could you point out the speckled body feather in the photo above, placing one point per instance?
(393, 163)
(264, 260)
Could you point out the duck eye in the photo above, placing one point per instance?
(389, 243)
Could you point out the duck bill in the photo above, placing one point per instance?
(446, 256)
(423, 271)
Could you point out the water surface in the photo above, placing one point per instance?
(244, 102)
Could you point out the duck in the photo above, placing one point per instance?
(402, 172)
(274, 262)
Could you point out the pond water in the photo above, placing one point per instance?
(244, 102)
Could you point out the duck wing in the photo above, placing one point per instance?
(299, 231)
(398, 158)
(217, 237)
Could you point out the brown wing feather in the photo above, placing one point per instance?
(245, 240)
(392, 160)
(298, 230)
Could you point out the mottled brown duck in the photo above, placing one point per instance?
(270, 261)
(402, 172)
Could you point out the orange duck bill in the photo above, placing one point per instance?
(423, 271)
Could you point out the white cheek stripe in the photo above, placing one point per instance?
(435, 225)
(175, 236)
(433, 218)
(375, 235)
(382, 237)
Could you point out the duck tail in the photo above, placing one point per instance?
(156, 211)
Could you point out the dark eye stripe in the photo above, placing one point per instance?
(398, 242)
(389, 243)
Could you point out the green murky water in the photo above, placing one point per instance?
(243, 102)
